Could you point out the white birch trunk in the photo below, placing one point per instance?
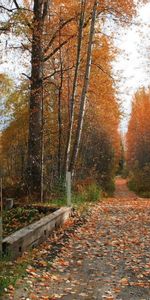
(72, 100)
(84, 90)
(68, 188)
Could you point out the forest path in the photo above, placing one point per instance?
(107, 258)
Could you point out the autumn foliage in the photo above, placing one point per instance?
(138, 141)
(65, 116)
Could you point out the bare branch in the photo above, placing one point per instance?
(59, 47)
(66, 41)
(101, 68)
(19, 8)
(26, 48)
(16, 4)
(57, 71)
(26, 76)
(14, 9)
(7, 9)
(57, 31)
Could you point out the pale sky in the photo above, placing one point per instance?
(132, 67)
(133, 62)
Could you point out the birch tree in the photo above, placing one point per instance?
(84, 91)
(75, 81)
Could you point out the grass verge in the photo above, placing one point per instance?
(10, 272)
(90, 194)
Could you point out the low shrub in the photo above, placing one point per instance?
(132, 185)
(125, 173)
(87, 189)
(110, 188)
(139, 180)
(81, 193)
(92, 193)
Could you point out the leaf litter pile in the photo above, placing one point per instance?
(19, 217)
(108, 257)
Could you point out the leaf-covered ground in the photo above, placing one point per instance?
(108, 257)
(19, 217)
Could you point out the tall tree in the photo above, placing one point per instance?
(84, 90)
(75, 82)
(40, 11)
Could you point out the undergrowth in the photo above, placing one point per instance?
(90, 193)
(11, 272)
(134, 186)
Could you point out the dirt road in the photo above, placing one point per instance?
(106, 258)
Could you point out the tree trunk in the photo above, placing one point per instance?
(72, 100)
(60, 104)
(84, 92)
(42, 149)
(35, 104)
(60, 120)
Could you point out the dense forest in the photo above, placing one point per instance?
(64, 115)
(138, 143)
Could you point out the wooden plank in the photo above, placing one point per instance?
(32, 235)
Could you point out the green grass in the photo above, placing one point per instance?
(10, 273)
(58, 202)
(91, 193)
